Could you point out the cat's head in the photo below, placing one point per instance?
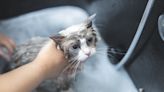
(78, 42)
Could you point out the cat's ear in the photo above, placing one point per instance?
(89, 20)
(57, 38)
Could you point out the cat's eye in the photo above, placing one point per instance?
(90, 39)
(75, 46)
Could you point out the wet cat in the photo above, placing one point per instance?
(78, 43)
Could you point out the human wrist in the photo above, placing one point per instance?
(39, 70)
(48, 68)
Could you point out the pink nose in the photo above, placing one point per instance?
(88, 54)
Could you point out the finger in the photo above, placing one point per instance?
(9, 47)
(12, 43)
(52, 42)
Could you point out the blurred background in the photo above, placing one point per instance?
(117, 21)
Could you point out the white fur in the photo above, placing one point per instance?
(72, 29)
(85, 49)
(84, 46)
(82, 56)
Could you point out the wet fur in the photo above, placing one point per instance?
(26, 52)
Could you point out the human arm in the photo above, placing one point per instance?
(25, 78)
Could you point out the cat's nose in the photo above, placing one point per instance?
(88, 54)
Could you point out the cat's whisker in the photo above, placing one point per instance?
(73, 62)
(69, 65)
(73, 65)
(101, 49)
(72, 59)
(114, 52)
(101, 52)
(104, 54)
(77, 65)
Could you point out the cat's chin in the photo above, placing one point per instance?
(84, 60)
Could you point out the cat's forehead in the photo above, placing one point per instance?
(73, 30)
(81, 35)
(73, 37)
(87, 33)
(71, 40)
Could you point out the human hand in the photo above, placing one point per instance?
(51, 60)
(7, 42)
